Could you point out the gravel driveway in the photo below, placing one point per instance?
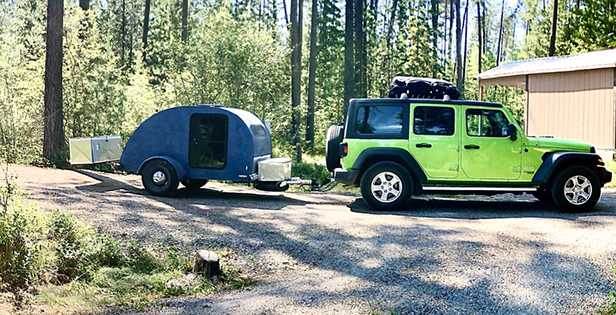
(328, 253)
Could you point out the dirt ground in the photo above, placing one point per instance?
(316, 253)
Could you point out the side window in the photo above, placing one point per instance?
(428, 120)
(486, 123)
(379, 120)
(208, 141)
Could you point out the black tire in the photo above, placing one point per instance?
(270, 186)
(194, 183)
(403, 184)
(335, 134)
(166, 181)
(575, 189)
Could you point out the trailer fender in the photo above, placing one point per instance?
(178, 167)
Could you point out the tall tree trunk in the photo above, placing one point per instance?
(465, 38)
(459, 68)
(123, 33)
(312, 75)
(500, 34)
(184, 21)
(479, 35)
(84, 4)
(349, 74)
(360, 50)
(553, 35)
(296, 72)
(53, 138)
(434, 14)
(444, 52)
(483, 25)
(392, 19)
(450, 34)
(286, 14)
(146, 28)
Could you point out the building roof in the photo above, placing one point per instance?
(587, 61)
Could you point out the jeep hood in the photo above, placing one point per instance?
(560, 144)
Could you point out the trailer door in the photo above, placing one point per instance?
(208, 141)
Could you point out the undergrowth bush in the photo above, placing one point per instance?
(54, 249)
(309, 171)
(611, 308)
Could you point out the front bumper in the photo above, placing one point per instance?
(604, 175)
(347, 177)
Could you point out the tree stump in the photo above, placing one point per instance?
(207, 263)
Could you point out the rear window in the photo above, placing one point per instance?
(258, 130)
(379, 120)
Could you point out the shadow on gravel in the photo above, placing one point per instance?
(482, 209)
(214, 197)
(406, 266)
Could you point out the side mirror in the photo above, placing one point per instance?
(512, 131)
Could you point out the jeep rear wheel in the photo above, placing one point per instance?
(335, 135)
(576, 189)
(386, 186)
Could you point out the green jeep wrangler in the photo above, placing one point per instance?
(393, 148)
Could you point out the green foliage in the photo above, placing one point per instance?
(237, 55)
(75, 247)
(309, 171)
(611, 308)
(41, 248)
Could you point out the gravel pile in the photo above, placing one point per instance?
(328, 253)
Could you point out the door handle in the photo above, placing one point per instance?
(471, 147)
(423, 145)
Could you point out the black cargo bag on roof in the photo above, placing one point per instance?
(422, 88)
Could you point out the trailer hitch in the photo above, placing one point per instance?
(313, 185)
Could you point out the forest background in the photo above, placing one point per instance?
(99, 67)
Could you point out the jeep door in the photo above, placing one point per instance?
(434, 141)
(487, 151)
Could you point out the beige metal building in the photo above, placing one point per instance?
(570, 97)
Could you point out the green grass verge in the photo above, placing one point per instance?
(52, 262)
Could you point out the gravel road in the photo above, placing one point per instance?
(328, 253)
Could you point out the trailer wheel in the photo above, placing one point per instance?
(159, 178)
(335, 135)
(195, 183)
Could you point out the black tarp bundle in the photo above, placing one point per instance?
(422, 88)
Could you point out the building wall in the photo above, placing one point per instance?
(578, 105)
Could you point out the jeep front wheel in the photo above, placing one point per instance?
(386, 186)
(576, 189)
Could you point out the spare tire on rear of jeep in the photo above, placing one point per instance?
(335, 134)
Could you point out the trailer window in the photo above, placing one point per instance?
(208, 141)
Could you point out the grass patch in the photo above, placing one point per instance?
(53, 262)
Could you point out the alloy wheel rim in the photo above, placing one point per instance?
(578, 190)
(386, 187)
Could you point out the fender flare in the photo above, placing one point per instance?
(400, 155)
(553, 161)
(179, 169)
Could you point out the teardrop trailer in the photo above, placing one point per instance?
(194, 144)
